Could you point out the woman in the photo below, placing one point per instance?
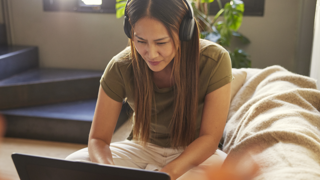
(178, 87)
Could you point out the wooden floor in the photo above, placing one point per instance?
(43, 148)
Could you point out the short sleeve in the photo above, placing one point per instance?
(112, 81)
(222, 73)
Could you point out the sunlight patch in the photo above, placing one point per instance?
(92, 2)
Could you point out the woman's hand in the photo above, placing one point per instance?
(214, 115)
(239, 168)
(100, 152)
(168, 171)
(236, 168)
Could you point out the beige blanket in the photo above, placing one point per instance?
(275, 116)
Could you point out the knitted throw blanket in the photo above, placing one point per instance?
(275, 115)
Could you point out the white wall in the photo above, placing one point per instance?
(1, 15)
(315, 64)
(275, 36)
(66, 39)
(305, 36)
(88, 41)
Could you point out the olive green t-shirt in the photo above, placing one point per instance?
(215, 72)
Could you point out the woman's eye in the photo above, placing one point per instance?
(161, 43)
(141, 42)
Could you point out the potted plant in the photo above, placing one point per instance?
(219, 30)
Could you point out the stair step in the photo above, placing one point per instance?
(63, 122)
(46, 86)
(16, 59)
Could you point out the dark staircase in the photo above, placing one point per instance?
(46, 103)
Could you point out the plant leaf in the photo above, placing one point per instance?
(241, 37)
(233, 14)
(238, 4)
(239, 59)
(202, 17)
(120, 12)
(225, 33)
(120, 5)
(218, 15)
(207, 1)
(120, 8)
(213, 36)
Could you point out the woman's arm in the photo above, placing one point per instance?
(104, 121)
(215, 112)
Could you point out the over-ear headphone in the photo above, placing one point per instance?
(126, 23)
(186, 26)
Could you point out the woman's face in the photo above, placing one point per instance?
(153, 43)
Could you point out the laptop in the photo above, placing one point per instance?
(31, 167)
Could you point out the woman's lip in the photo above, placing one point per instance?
(154, 63)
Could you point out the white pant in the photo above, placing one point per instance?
(131, 154)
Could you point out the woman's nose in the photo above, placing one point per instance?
(152, 52)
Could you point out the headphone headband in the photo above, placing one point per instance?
(190, 10)
(125, 9)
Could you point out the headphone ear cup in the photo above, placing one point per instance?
(186, 29)
(127, 27)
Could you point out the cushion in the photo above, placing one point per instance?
(239, 78)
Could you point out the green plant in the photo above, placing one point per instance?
(222, 30)
(219, 30)
(120, 7)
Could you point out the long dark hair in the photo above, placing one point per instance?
(185, 72)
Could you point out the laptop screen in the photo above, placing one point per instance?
(30, 167)
(36, 172)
